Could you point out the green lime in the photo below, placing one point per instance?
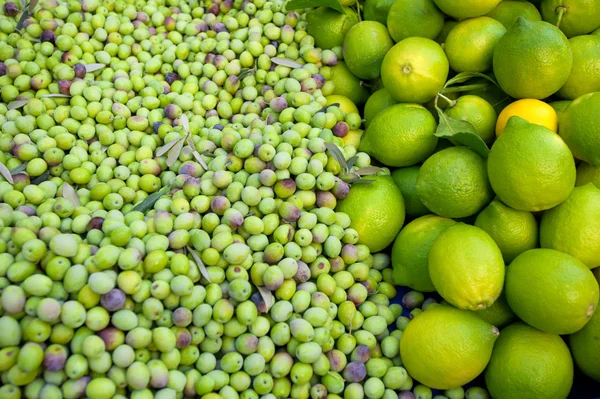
(573, 226)
(587, 173)
(532, 60)
(514, 231)
(574, 17)
(579, 126)
(463, 9)
(560, 107)
(400, 135)
(466, 267)
(499, 314)
(410, 253)
(410, 18)
(376, 103)
(585, 346)
(448, 26)
(507, 12)
(530, 167)
(478, 112)
(406, 180)
(377, 10)
(470, 45)
(415, 70)
(453, 183)
(348, 85)
(585, 74)
(445, 347)
(551, 290)
(365, 61)
(528, 363)
(329, 26)
(376, 210)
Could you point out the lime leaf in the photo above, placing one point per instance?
(6, 173)
(461, 133)
(302, 4)
(286, 62)
(199, 263)
(150, 200)
(464, 76)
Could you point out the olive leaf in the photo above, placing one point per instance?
(351, 162)
(359, 181)
(16, 104)
(367, 171)
(160, 151)
(41, 178)
(6, 173)
(149, 201)
(32, 5)
(246, 72)
(338, 156)
(175, 152)
(185, 122)
(190, 142)
(199, 263)
(19, 168)
(93, 67)
(68, 192)
(302, 4)
(286, 62)
(195, 153)
(56, 95)
(267, 296)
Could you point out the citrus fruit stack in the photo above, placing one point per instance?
(488, 115)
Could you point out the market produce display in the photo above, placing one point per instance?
(324, 199)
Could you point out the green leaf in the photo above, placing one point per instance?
(464, 76)
(302, 4)
(199, 263)
(149, 201)
(461, 133)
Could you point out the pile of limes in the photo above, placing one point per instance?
(487, 112)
